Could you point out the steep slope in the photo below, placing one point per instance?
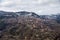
(27, 28)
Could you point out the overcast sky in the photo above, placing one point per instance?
(38, 6)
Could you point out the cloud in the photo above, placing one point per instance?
(38, 6)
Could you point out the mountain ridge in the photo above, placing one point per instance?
(21, 13)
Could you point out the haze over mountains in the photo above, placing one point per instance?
(38, 6)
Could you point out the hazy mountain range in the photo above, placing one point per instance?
(25, 25)
(25, 13)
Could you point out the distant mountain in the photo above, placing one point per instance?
(24, 13)
(4, 14)
(16, 14)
